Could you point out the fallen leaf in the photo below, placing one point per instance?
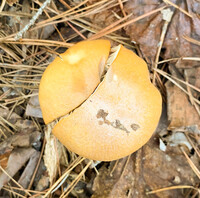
(147, 32)
(19, 140)
(148, 169)
(105, 17)
(180, 111)
(41, 172)
(26, 125)
(13, 118)
(109, 186)
(193, 74)
(26, 176)
(18, 124)
(33, 107)
(4, 159)
(16, 160)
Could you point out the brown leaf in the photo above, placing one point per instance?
(180, 111)
(147, 31)
(193, 75)
(4, 159)
(33, 107)
(148, 169)
(19, 140)
(13, 117)
(19, 123)
(28, 172)
(26, 125)
(16, 160)
(105, 18)
(109, 186)
(40, 175)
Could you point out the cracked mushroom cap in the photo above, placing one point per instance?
(119, 117)
(72, 77)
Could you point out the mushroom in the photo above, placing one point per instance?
(119, 117)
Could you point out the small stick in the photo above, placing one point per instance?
(32, 21)
(2, 5)
(21, 187)
(65, 4)
(167, 15)
(122, 7)
(180, 9)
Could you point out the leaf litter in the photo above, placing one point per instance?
(171, 48)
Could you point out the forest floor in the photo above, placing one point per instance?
(165, 33)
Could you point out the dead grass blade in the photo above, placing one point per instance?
(178, 85)
(193, 145)
(190, 93)
(75, 181)
(65, 175)
(15, 14)
(13, 192)
(9, 51)
(109, 27)
(167, 16)
(192, 165)
(25, 67)
(122, 7)
(31, 191)
(177, 7)
(114, 167)
(93, 29)
(37, 166)
(181, 58)
(88, 10)
(24, 190)
(65, 4)
(191, 40)
(37, 42)
(173, 188)
(2, 5)
(124, 168)
(103, 33)
(64, 14)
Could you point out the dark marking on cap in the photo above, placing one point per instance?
(135, 127)
(101, 114)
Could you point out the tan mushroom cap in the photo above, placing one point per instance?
(119, 117)
(72, 77)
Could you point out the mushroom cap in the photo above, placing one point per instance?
(119, 117)
(72, 77)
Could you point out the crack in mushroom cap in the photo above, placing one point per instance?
(119, 117)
